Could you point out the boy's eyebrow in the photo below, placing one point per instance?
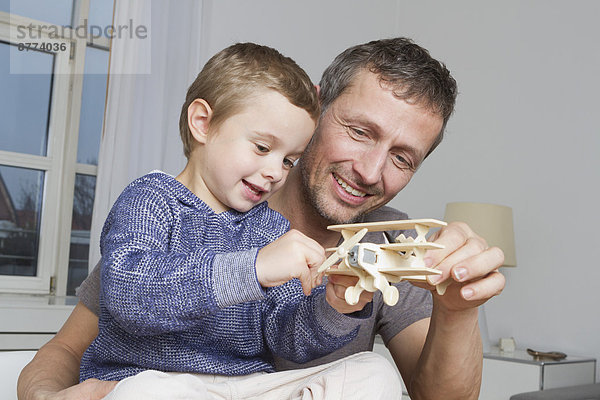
(267, 135)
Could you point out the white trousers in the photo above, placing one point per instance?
(364, 375)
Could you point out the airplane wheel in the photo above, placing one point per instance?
(390, 296)
(352, 294)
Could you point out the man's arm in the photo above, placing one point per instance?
(449, 362)
(441, 356)
(55, 368)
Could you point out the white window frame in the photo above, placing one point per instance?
(60, 164)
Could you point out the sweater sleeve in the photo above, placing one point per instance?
(149, 288)
(301, 328)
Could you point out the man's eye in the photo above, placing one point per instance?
(400, 159)
(358, 132)
(402, 162)
(261, 148)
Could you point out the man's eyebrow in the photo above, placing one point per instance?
(361, 119)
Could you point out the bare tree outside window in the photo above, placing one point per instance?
(20, 206)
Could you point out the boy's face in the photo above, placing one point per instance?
(249, 155)
(366, 149)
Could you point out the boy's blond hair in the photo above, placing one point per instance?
(237, 73)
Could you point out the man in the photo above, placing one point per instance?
(385, 105)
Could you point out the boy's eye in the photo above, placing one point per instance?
(289, 163)
(261, 148)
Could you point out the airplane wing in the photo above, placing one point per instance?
(411, 245)
(408, 271)
(340, 271)
(388, 225)
(392, 272)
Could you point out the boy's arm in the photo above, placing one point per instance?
(302, 328)
(148, 286)
(298, 324)
(55, 368)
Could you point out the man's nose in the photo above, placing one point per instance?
(369, 165)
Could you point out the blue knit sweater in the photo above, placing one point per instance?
(179, 291)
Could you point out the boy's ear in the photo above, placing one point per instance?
(199, 115)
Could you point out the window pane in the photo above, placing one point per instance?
(101, 13)
(83, 203)
(92, 105)
(20, 209)
(57, 12)
(25, 101)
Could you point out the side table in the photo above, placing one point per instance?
(505, 374)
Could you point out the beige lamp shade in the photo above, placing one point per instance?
(493, 222)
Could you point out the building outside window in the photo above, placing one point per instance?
(53, 80)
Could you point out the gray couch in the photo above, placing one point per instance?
(581, 392)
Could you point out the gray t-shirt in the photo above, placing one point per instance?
(414, 303)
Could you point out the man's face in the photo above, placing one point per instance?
(365, 150)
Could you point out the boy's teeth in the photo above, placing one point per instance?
(349, 189)
(252, 189)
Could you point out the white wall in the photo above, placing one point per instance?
(525, 134)
(311, 32)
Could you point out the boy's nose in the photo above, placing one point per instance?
(273, 171)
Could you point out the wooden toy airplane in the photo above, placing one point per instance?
(376, 265)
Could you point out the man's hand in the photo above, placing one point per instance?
(469, 263)
(336, 290)
(293, 255)
(92, 389)
(54, 371)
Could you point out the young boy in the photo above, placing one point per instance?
(186, 260)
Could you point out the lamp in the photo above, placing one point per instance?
(492, 222)
(495, 224)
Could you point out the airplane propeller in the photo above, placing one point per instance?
(343, 249)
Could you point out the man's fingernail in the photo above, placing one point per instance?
(460, 273)
(433, 279)
(467, 293)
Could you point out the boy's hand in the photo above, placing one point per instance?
(293, 255)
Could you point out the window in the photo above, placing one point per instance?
(53, 77)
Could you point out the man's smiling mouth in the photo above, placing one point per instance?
(349, 188)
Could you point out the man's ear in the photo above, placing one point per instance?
(318, 87)
(199, 115)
